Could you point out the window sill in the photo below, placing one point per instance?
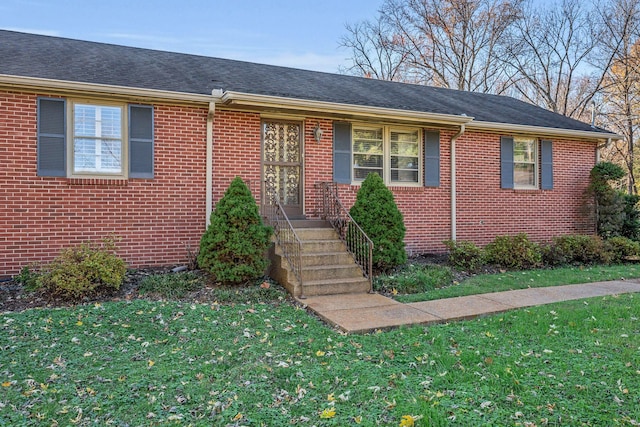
(106, 182)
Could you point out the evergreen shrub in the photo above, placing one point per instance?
(621, 248)
(576, 249)
(377, 213)
(464, 255)
(83, 270)
(514, 252)
(233, 248)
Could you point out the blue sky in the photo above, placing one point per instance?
(294, 33)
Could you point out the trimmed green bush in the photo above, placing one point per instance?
(514, 252)
(377, 213)
(83, 270)
(234, 246)
(621, 248)
(576, 249)
(464, 255)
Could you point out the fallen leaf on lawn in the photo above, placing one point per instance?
(407, 421)
(328, 413)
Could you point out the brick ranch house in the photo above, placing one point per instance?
(99, 139)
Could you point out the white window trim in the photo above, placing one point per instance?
(124, 158)
(386, 153)
(536, 164)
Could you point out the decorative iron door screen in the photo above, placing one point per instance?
(282, 164)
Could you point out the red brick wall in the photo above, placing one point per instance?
(485, 210)
(156, 218)
(236, 151)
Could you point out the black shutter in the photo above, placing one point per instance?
(140, 141)
(342, 152)
(52, 137)
(546, 168)
(432, 159)
(506, 162)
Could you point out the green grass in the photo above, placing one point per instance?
(485, 283)
(144, 363)
(172, 286)
(413, 278)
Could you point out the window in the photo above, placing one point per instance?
(85, 139)
(392, 153)
(97, 139)
(525, 162)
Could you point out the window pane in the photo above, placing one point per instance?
(371, 134)
(372, 147)
(367, 161)
(110, 155)
(110, 122)
(404, 176)
(85, 120)
(360, 174)
(84, 154)
(524, 151)
(404, 162)
(524, 175)
(405, 148)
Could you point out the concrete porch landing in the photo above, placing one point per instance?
(360, 313)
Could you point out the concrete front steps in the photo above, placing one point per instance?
(327, 267)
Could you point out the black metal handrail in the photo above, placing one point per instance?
(286, 237)
(351, 234)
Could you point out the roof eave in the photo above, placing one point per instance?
(541, 130)
(232, 98)
(65, 86)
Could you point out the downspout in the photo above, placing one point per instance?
(209, 164)
(454, 138)
(216, 94)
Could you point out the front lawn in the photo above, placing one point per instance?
(143, 363)
(437, 288)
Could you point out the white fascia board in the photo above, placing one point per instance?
(244, 99)
(41, 84)
(540, 131)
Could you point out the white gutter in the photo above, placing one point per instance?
(246, 99)
(51, 85)
(540, 130)
(454, 216)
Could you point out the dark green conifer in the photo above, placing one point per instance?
(376, 212)
(233, 247)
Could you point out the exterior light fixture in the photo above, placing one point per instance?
(317, 133)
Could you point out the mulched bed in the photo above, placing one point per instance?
(14, 298)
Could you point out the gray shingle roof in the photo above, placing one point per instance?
(58, 58)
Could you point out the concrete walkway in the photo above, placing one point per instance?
(359, 313)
